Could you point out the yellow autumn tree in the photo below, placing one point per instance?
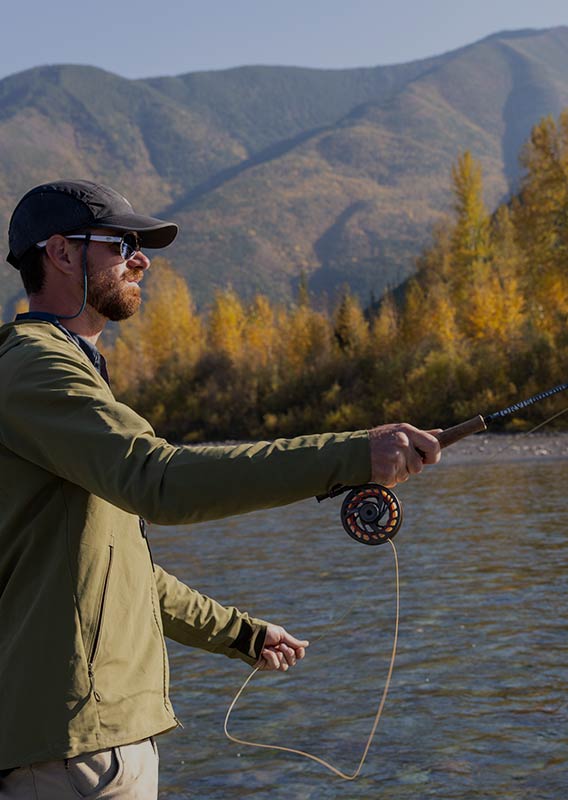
(260, 334)
(305, 339)
(164, 338)
(429, 317)
(483, 262)
(350, 327)
(470, 235)
(541, 220)
(226, 325)
(469, 244)
(498, 304)
(385, 324)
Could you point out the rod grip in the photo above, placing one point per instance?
(457, 432)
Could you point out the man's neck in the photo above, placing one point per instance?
(89, 324)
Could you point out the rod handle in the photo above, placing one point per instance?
(457, 432)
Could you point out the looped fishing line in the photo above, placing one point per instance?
(376, 720)
(317, 759)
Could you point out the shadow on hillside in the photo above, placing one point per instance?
(224, 176)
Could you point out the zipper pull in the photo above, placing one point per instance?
(95, 694)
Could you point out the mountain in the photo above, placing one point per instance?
(275, 171)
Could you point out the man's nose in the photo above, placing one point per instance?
(140, 260)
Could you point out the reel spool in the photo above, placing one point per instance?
(371, 514)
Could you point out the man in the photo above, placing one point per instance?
(83, 608)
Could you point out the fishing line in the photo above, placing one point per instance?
(517, 407)
(532, 430)
(546, 421)
(527, 433)
(382, 701)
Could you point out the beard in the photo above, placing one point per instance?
(112, 297)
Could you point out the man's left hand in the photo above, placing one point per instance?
(281, 650)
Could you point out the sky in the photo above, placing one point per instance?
(147, 38)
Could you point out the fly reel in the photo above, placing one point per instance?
(370, 514)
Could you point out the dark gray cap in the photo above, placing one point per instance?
(67, 206)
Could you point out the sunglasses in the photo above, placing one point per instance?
(129, 243)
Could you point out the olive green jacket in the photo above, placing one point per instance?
(83, 613)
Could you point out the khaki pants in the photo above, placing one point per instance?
(129, 772)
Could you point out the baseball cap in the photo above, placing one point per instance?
(67, 206)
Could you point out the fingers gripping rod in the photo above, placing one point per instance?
(446, 437)
(372, 514)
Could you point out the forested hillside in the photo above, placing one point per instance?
(481, 325)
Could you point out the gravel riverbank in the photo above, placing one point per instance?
(508, 447)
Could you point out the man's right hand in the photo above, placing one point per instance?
(401, 450)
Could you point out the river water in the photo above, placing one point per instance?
(478, 705)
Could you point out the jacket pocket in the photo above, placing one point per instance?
(94, 648)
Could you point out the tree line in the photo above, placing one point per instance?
(481, 325)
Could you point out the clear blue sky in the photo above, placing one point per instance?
(150, 38)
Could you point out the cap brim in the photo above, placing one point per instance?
(153, 232)
(12, 260)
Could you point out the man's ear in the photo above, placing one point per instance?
(60, 253)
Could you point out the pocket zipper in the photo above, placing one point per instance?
(98, 629)
(144, 531)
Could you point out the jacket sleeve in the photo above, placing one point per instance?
(195, 620)
(58, 413)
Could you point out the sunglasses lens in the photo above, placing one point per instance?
(129, 245)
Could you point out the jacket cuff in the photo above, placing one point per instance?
(250, 639)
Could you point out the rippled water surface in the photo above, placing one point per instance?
(478, 706)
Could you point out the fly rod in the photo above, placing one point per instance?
(479, 423)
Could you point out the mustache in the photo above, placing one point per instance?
(133, 275)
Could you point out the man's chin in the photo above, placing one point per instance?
(125, 311)
(121, 309)
(121, 316)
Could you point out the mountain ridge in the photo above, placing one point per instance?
(274, 172)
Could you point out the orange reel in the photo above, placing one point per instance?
(371, 514)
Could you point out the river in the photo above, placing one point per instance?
(478, 704)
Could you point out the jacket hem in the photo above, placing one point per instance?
(77, 747)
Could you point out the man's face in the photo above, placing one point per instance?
(112, 283)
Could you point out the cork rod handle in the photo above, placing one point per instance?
(457, 432)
